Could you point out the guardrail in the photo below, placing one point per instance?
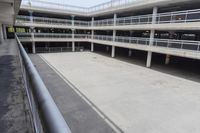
(45, 115)
(52, 21)
(168, 43)
(50, 35)
(161, 18)
(57, 49)
(169, 17)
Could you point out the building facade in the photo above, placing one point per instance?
(169, 27)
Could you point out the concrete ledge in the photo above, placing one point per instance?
(166, 26)
(164, 50)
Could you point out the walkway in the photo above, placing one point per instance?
(13, 116)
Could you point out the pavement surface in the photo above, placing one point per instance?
(134, 98)
(13, 114)
(78, 113)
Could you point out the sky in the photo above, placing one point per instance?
(81, 3)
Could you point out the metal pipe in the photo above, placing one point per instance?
(52, 119)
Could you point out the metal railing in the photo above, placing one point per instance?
(57, 49)
(179, 16)
(105, 22)
(52, 21)
(169, 17)
(45, 115)
(51, 35)
(168, 43)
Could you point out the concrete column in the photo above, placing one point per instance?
(1, 34)
(130, 52)
(113, 51)
(92, 36)
(149, 55)
(113, 47)
(73, 43)
(92, 47)
(31, 16)
(4, 32)
(72, 20)
(115, 19)
(32, 32)
(167, 59)
(114, 35)
(33, 48)
(33, 41)
(73, 46)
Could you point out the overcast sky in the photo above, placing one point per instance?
(81, 3)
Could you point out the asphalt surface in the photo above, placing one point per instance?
(79, 115)
(13, 112)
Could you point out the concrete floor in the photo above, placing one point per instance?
(14, 115)
(135, 98)
(79, 115)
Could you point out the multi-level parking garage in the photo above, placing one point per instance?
(166, 27)
(90, 92)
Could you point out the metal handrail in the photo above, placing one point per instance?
(52, 119)
(169, 17)
(132, 40)
(54, 21)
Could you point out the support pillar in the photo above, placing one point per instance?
(114, 35)
(73, 46)
(33, 48)
(113, 51)
(92, 37)
(113, 47)
(92, 47)
(4, 32)
(73, 43)
(167, 59)
(149, 54)
(149, 57)
(1, 34)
